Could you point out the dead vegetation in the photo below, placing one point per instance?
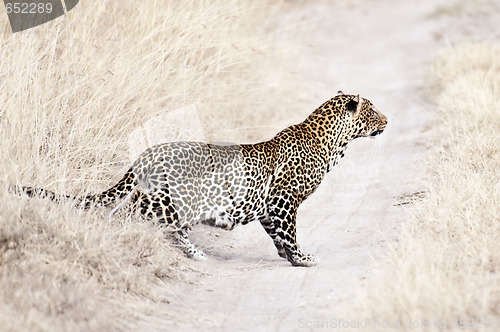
(446, 263)
(71, 91)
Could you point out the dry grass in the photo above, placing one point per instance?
(476, 8)
(71, 91)
(447, 262)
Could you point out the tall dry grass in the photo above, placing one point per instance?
(71, 91)
(446, 264)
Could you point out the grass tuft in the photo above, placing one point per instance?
(446, 264)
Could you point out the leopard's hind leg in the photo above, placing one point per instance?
(158, 205)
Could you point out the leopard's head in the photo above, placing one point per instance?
(363, 119)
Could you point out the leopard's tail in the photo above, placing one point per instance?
(108, 197)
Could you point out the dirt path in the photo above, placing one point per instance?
(374, 50)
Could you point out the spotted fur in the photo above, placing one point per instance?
(181, 184)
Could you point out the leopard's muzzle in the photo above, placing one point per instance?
(377, 132)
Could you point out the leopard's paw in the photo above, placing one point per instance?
(306, 260)
(198, 255)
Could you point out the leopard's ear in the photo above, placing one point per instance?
(352, 105)
(355, 104)
(339, 93)
(360, 104)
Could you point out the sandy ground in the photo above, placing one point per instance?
(379, 51)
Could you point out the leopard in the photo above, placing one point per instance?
(182, 184)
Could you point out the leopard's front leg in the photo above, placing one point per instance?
(271, 231)
(283, 214)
